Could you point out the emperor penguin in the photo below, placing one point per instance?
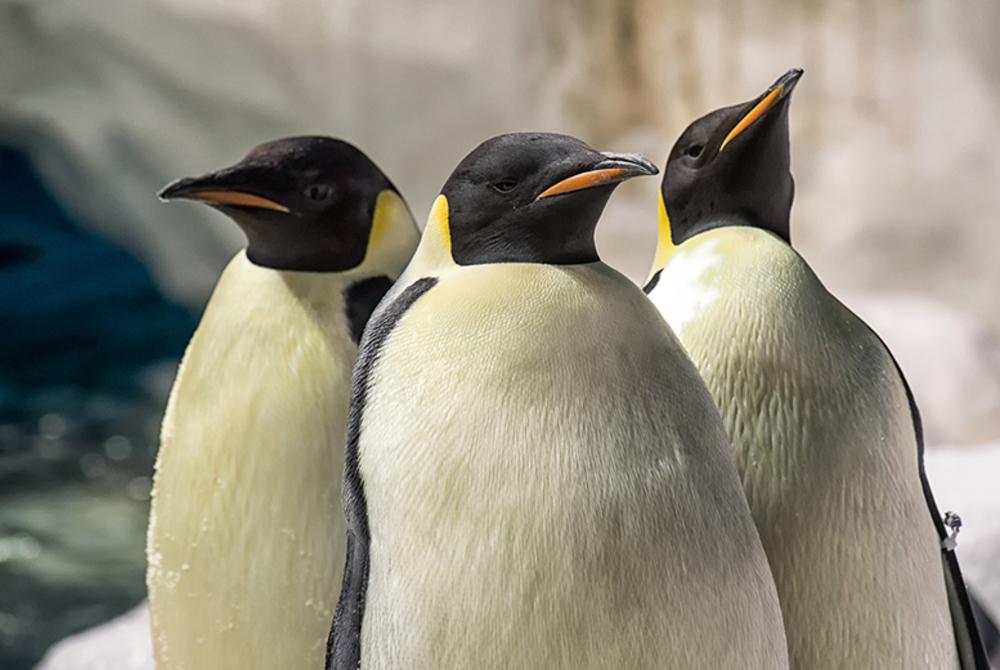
(246, 533)
(825, 429)
(536, 476)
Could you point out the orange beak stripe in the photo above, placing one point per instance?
(237, 198)
(578, 182)
(754, 114)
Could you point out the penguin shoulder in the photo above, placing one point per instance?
(582, 293)
(520, 309)
(727, 275)
(834, 346)
(249, 296)
(748, 283)
(269, 318)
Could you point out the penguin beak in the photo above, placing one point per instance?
(218, 188)
(777, 92)
(615, 168)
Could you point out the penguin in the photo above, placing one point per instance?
(826, 432)
(536, 476)
(246, 530)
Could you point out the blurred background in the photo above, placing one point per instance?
(102, 102)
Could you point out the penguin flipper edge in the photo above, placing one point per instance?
(971, 651)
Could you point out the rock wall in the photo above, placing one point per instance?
(893, 126)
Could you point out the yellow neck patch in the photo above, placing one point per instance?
(393, 234)
(386, 210)
(434, 251)
(438, 220)
(664, 244)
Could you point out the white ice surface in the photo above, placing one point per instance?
(123, 643)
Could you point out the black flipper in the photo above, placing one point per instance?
(343, 646)
(971, 652)
(653, 281)
(360, 299)
(987, 629)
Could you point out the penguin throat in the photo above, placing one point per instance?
(295, 245)
(556, 231)
(665, 246)
(678, 235)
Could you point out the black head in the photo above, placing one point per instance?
(533, 198)
(732, 167)
(305, 203)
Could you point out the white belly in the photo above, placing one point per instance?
(825, 444)
(549, 486)
(246, 540)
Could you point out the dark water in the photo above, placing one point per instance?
(87, 345)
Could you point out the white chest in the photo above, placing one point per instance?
(531, 460)
(246, 533)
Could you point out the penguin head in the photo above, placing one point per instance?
(732, 167)
(305, 203)
(530, 197)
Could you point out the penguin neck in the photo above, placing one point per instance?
(774, 224)
(665, 246)
(392, 237)
(742, 219)
(332, 245)
(337, 303)
(259, 282)
(671, 237)
(433, 254)
(282, 242)
(669, 240)
(557, 231)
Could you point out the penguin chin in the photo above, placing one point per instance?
(261, 229)
(556, 230)
(290, 243)
(583, 208)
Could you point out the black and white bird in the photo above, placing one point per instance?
(536, 475)
(246, 534)
(825, 429)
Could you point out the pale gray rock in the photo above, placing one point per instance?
(965, 482)
(951, 359)
(895, 185)
(123, 643)
(113, 98)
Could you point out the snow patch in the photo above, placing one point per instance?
(124, 643)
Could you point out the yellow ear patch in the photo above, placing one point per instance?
(438, 220)
(434, 252)
(664, 243)
(387, 208)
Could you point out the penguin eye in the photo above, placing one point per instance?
(695, 150)
(504, 185)
(319, 192)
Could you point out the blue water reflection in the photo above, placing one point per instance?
(87, 346)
